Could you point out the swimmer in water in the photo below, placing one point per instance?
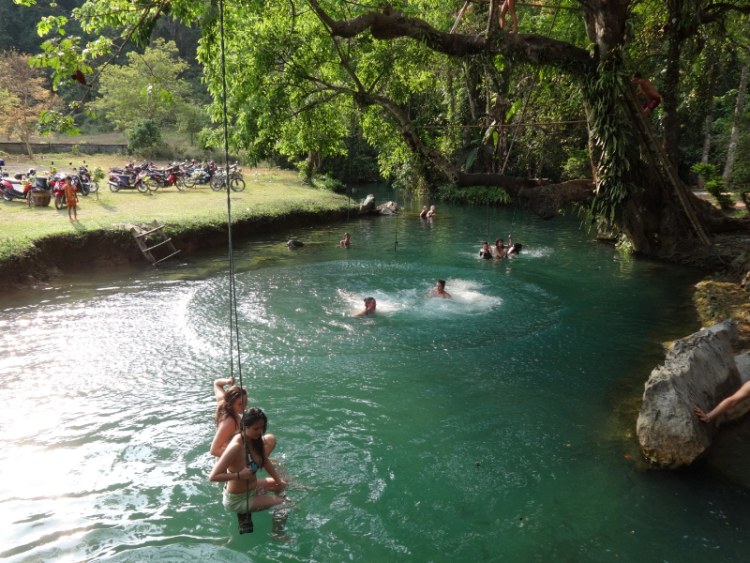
(346, 242)
(485, 251)
(369, 309)
(439, 290)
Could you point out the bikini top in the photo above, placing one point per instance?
(254, 467)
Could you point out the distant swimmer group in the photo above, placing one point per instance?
(427, 212)
(500, 250)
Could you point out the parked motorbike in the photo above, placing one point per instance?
(236, 181)
(87, 185)
(201, 174)
(128, 178)
(14, 188)
(173, 175)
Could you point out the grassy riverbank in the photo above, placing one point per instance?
(270, 193)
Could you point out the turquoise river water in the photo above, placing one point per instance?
(495, 426)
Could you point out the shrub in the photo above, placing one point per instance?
(330, 184)
(714, 184)
(577, 165)
(144, 134)
(473, 195)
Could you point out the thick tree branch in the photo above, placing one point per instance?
(534, 49)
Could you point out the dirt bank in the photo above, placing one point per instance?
(55, 256)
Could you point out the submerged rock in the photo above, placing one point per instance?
(388, 208)
(294, 243)
(699, 369)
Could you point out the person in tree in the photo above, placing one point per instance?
(509, 6)
(648, 91)
(742, 394)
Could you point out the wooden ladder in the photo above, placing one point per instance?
(658, 159)
(154, 238)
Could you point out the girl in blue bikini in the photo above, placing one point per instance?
(237, 467)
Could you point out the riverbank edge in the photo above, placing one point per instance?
(56, 255)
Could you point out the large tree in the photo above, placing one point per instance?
(147, 86)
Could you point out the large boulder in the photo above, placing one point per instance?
(698, 370)
(367, 205)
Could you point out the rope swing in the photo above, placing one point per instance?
(244, 519)
(234, 331)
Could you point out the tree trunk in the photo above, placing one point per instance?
(734, 136)
(671, 85)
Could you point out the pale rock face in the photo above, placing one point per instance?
(699, 370)
(368, 205)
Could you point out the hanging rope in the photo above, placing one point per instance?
(245, 519)
(234, 331)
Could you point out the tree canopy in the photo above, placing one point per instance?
(480, 106)
(148, 86)
(24, 97)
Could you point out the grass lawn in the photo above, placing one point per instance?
(269, 193)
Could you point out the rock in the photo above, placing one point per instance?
(699, 369)
(743, 366)
(368, 205)
(293, 243)
(388, 208)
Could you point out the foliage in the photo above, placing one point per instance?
(473, 195)
(714, 184)
(610, 130)
(144, 135)
(98, 174)
(577, 165)
(25, 97)
(293, 89)
(329, 184)
(147, 87)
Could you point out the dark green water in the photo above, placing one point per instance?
(496, 426)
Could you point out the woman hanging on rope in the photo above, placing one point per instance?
(238, 467)
(231, 403)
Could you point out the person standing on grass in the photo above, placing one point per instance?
(71, 198)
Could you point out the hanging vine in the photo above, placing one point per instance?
(609, 129)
